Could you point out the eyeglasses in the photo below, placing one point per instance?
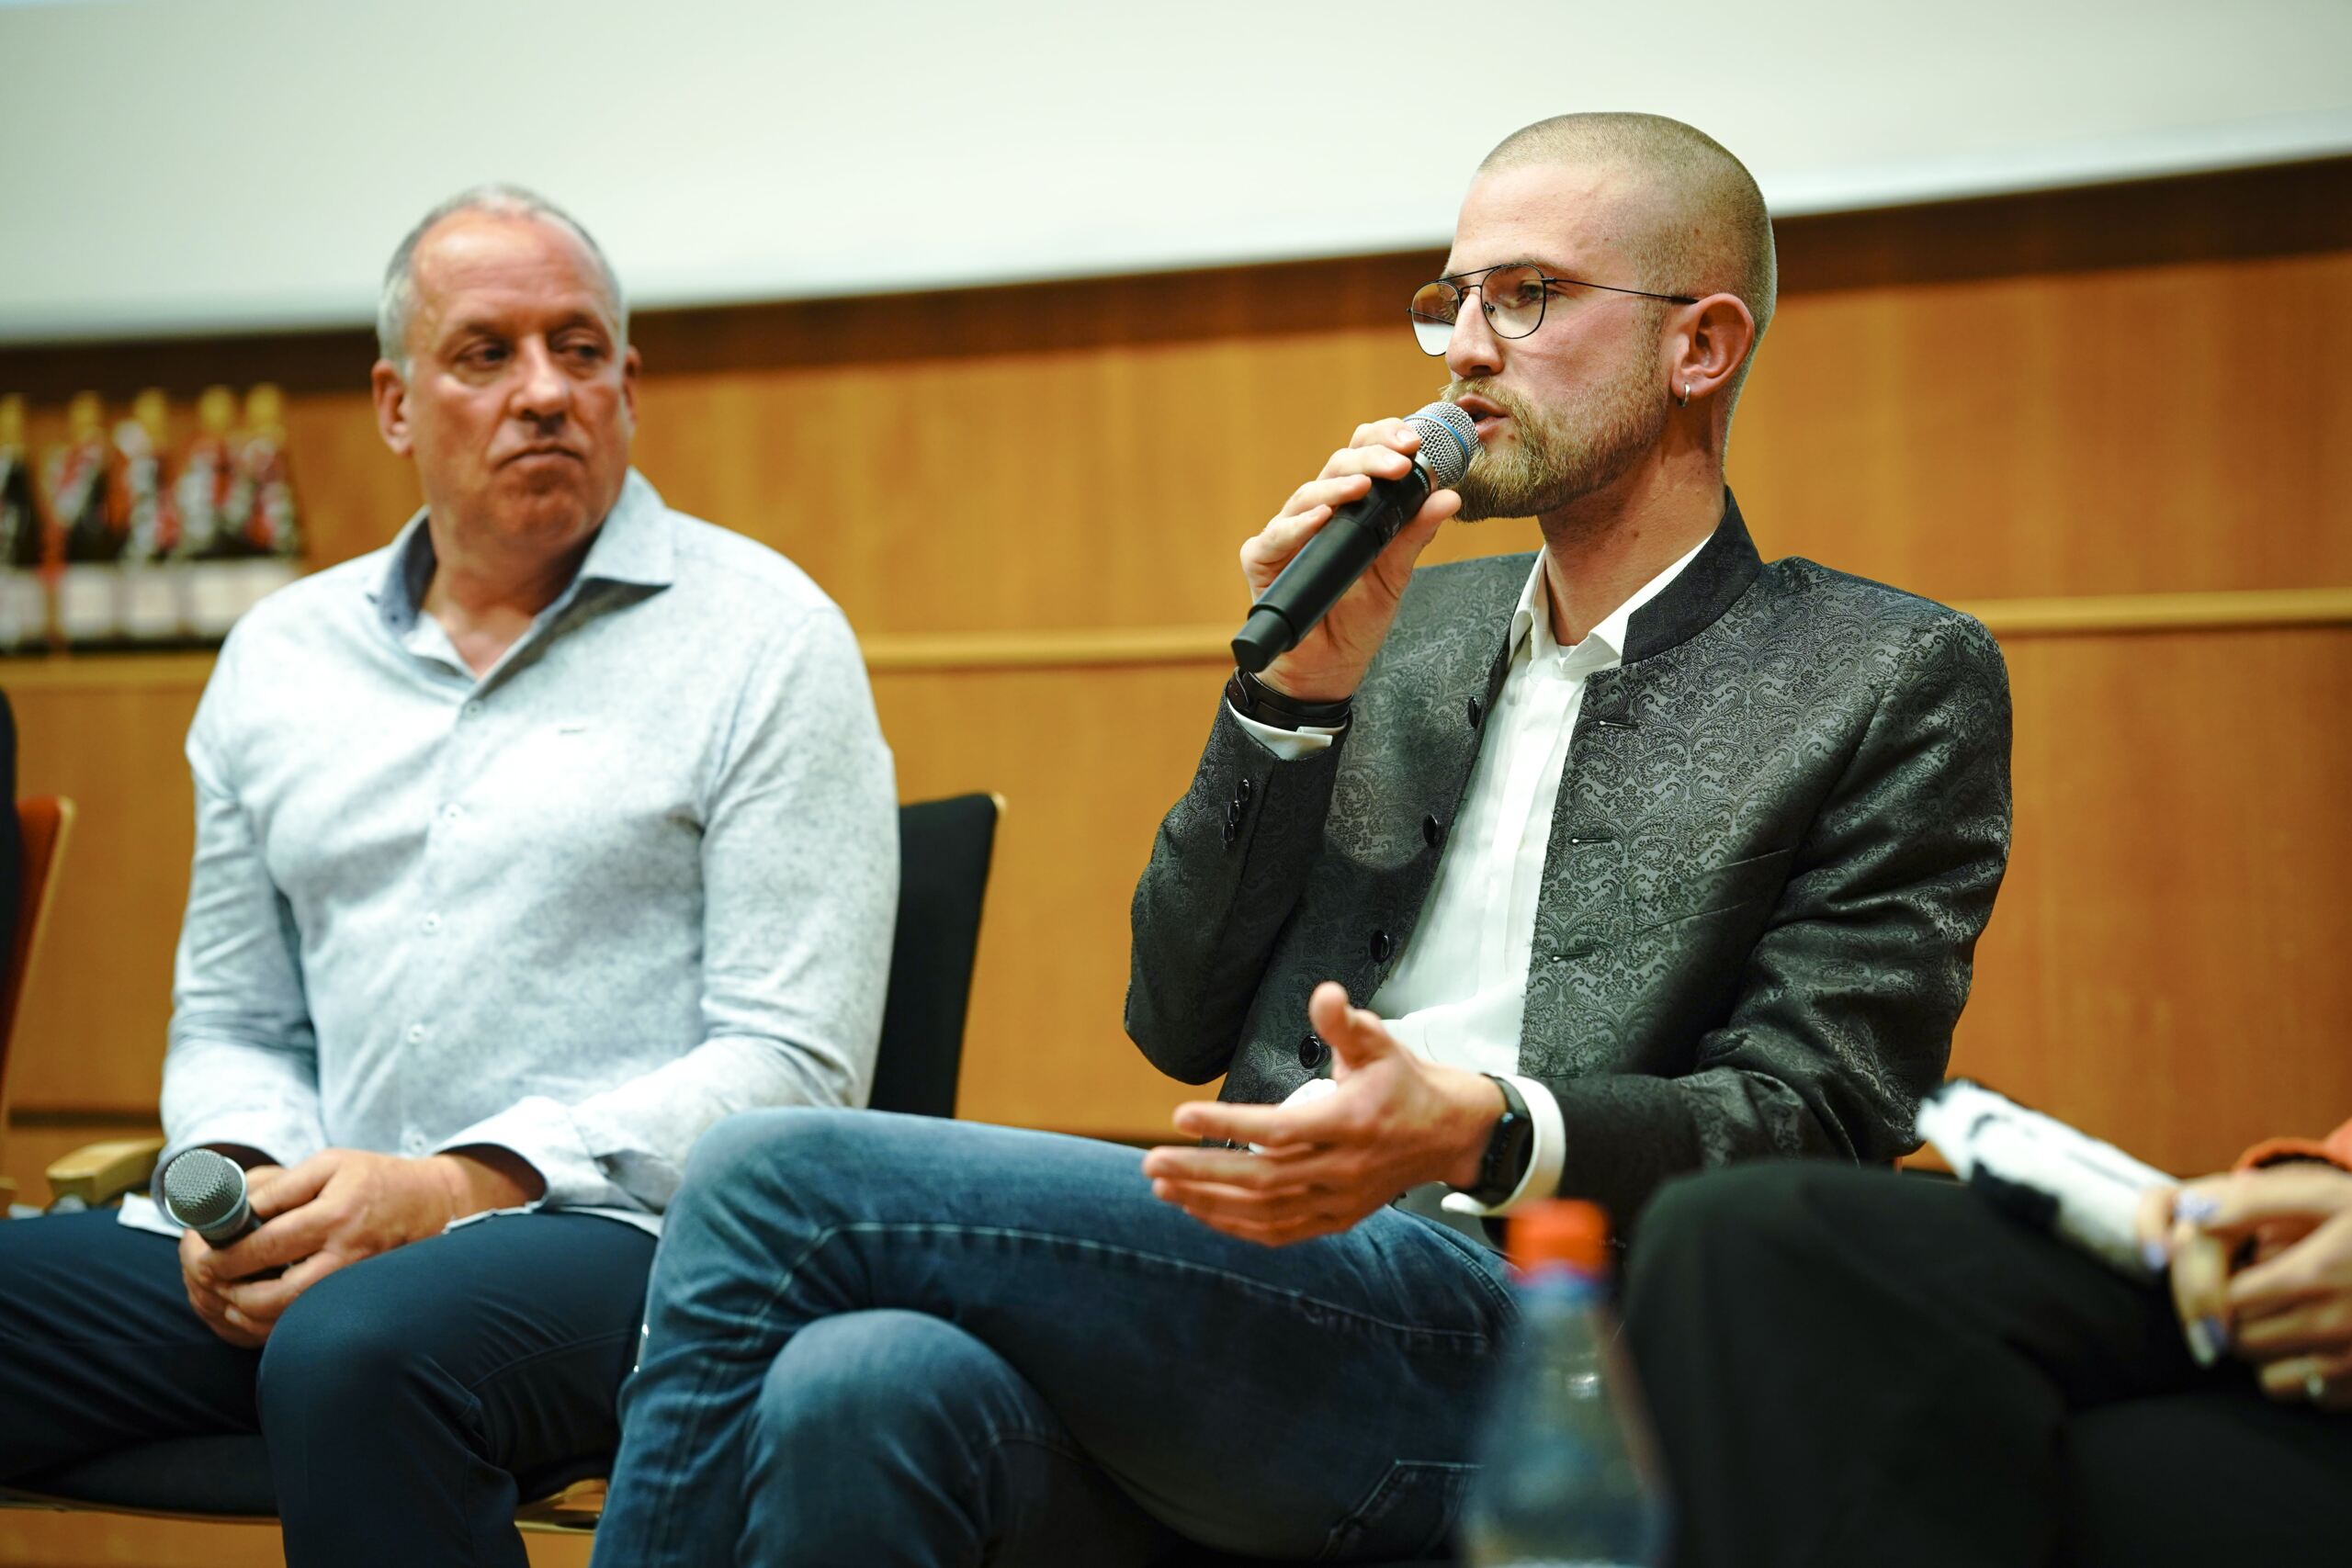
(1512, 296)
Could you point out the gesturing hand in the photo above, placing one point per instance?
(331, 1210)
(2289, 1313)
(1393, 1121)
(1330, 660)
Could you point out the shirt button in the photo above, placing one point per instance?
(414, 1142)
(450, 813)
(432, 923)
(471, 710)
(416, 1034)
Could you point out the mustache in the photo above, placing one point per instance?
(1503, 398)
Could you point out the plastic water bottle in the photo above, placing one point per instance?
(1568, 1475)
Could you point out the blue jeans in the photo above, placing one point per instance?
(891, 1340)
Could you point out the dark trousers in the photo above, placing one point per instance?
(1857, 1367)
(400, 1397)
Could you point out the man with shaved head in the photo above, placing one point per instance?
(528, 847)
(1551, 873)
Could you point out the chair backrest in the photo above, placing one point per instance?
(45, 823)
(944, 852)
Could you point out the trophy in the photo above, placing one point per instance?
(24, 540)
(150, 597)
(89, 608)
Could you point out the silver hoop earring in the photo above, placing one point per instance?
(1685, 401)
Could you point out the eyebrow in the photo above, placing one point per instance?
(478, 326)
(1548, 269)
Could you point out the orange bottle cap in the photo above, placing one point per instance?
(1560, 1230)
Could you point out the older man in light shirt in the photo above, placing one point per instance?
(527, 848)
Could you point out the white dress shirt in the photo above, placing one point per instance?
(1457, 993)
(639, 875)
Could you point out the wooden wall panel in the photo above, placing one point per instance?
(2165, 964)
(2077, 394)
(91, 1030)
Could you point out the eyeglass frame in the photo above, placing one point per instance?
(1462, 292)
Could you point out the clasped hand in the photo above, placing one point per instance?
(1392, 1121)
(2288, 1312)
(331, 1210)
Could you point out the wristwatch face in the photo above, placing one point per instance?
(1507, 1154)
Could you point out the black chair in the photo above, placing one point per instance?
(944, 852)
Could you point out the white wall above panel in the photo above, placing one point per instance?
(189, 166)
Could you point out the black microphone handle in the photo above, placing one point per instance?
(231, 1227)
(1325, 567)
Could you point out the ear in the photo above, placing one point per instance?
(1713, 342)
(390, 394)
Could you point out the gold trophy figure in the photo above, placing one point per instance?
(149, 512)
(89, 607)
(209, 545)
(261, 502)
(24, 540)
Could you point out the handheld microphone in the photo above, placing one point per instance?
(205, 1190)
(1346, 546)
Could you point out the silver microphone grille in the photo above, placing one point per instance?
(202, 1187)
(1449, 440)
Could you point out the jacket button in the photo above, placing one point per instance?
(1233, 814)
(1313, 1054)
(1241, 791)
(1432, 831)
(1381, 947)
(1477, 711)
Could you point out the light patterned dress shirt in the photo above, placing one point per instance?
(639, 875)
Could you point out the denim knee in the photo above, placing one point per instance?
(885, 1376)
(753, 1148)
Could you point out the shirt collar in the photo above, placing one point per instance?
(633, 544)
(1604, 645)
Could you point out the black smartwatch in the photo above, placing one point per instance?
(1509, 1148)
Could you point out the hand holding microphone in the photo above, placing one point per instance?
(1326, 573)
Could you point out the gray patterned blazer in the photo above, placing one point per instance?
(1783, 824)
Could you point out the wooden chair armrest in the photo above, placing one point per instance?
(100, 1173)
(570, 1511)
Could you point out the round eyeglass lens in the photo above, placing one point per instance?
(1434, 305)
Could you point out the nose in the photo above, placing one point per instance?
(542, 391)
(1472, 350)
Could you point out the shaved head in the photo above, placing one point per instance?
(1703, 230)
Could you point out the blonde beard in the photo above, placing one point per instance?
(1559, 454)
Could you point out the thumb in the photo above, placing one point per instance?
(1394, 563)
(1357, 1038)
(2302, 1190)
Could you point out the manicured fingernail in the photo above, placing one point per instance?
(2155, 1255)
(2195, 1207)
(2201, 1344)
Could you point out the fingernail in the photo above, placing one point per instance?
(2195, 1207)
(2202, 1348)
(2155, 1255)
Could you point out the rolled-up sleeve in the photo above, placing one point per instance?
(800, 874)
